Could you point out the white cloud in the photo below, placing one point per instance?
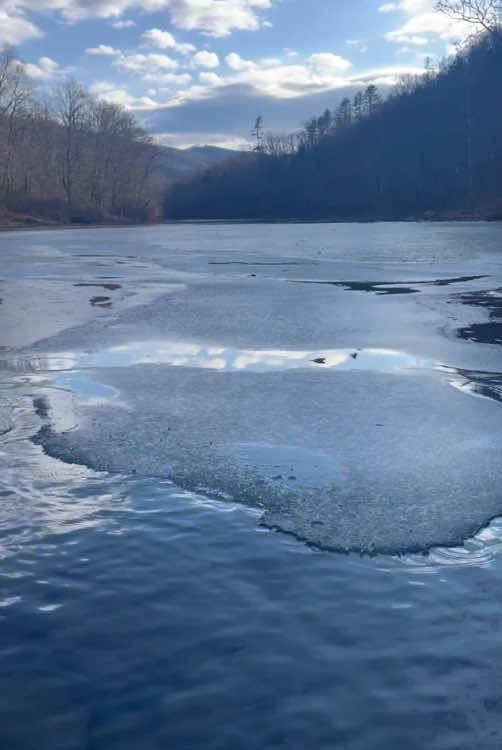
(217, 17)
(359, 44)
(103, 49)
(408, 6)
(321, 72)
(210, 79)
(386, 76)
(110, 93)
(146, 64)
(167, 88)
(397, 36)
(430, 23)
(268, 61)
(205, 59)
(169, 79)
(45, 69)
(125, 24)
(212, 17)
(236, 62)
(423, 21)
(326, 64)
(197, 92)
(14, 29)
(164, 40)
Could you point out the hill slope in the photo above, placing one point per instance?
(432, 148)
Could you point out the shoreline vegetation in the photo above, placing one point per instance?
(70, 157)
(11, 220)
(18, 222)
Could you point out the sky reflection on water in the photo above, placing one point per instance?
(186, 354)
(69, 366)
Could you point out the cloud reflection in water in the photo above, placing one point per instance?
(184, 354)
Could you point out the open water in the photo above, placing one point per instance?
(148, 599)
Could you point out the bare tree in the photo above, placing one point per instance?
(343, 114)
(15, 93)
(279, 144)
(72, 110)
(485, 14)
(15, 88)
(258, 135)
(371, 100)
(311, 132)
(73, 155)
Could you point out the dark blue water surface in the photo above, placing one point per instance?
(135, 615)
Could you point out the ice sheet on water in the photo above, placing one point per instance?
(241, 313)
(351, 460)
(380, 461)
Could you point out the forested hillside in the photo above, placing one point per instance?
(433, 147)
(70, 157)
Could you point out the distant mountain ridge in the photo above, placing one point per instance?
(174, 163)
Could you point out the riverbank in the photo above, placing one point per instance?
(11, 221)
(492, 212)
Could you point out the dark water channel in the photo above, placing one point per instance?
(142, 610)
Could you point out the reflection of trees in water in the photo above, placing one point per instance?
(484, 333)
(36, 364)
(478, 382)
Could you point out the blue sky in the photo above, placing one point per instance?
(200, 71)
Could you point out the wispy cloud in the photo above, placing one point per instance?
(45, 69)
(320, 72)
(160, 39)
(14, 28)
(103, 49)
(205, 59)
(422, 22)
(150, 63)
(126, 23)
(212, 17)
(112, 93)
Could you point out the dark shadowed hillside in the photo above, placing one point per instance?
(432, 148)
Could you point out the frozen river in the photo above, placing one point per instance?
(196, 421)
